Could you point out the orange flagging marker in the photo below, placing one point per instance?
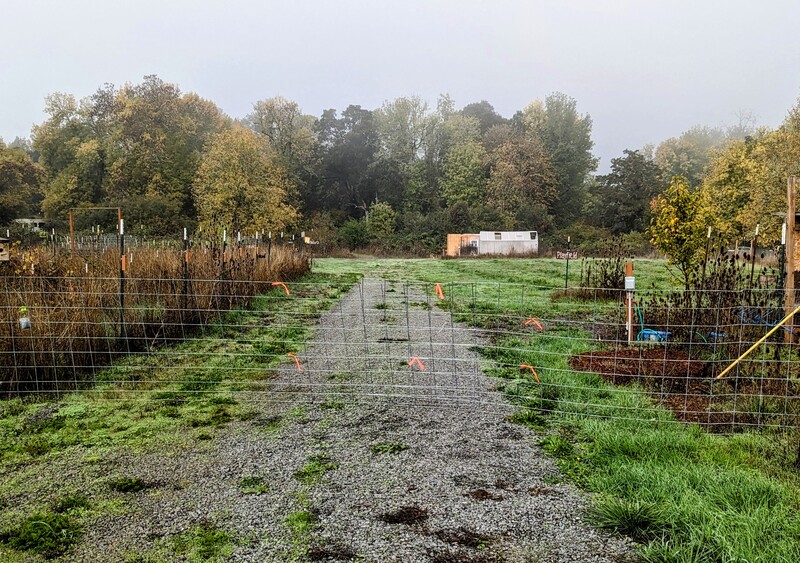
(533, 371)
(439, 291)
(533, 320)
(283, 285)
(296, 361)
(418, 362)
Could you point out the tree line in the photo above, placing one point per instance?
(399, 176)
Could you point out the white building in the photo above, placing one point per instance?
(35, 224)
(494, 242)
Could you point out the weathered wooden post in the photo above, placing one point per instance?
(269, 249)
(185, 270)
(72, 232)
(791, 251)
(753, 250)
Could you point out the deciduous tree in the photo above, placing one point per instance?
(690, 154)
(484, 113)
(676, 227)
(290, 133)
(521, 185)
(623, 196)
(567, 138)
(241, 184)
(21, 182)
(464, 174)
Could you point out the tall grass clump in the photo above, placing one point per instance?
(79, 320)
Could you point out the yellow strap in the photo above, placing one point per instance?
(785, 320)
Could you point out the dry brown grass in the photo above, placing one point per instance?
(75, 313)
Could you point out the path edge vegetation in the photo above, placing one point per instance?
(135, 406)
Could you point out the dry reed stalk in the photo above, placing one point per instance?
(74, 306)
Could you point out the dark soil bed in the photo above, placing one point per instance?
(670, 370)
(686, 386)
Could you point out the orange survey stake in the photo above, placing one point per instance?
(439, 291)
(533, 371)
(534, 320)
(283, 285)
(296, 361)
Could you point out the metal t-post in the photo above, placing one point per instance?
(122, 265)
(566, 273)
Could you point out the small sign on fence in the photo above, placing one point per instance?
(567, 254)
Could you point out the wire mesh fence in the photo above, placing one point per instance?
(512, 348)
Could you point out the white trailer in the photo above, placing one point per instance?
(508, 242)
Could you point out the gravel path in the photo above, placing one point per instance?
(401, 464)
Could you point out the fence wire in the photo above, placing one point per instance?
(511, 348)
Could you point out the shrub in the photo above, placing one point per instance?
(316, 467)
(388, 448)
(71, 502)
(252, 485)
(127, 485)
(354, 234)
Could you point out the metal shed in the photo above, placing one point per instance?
(508, 242)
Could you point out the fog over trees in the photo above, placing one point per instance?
(399, 176)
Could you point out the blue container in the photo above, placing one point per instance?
(654, 335)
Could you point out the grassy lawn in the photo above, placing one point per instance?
(544, 272)
(684, 494)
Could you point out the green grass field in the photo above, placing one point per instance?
(684, 494)
(541, 272)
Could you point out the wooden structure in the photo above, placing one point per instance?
(792, 247)
(461, 245)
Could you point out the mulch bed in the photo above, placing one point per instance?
(683, 384)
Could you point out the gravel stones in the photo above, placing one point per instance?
(403, 464)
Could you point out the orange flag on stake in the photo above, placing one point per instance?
(283, 285)
(533, 320)
(439, 291)
(533, 371)
(296, 361)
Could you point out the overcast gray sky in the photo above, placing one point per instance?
(644, 70)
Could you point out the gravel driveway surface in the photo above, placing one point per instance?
(368, 458)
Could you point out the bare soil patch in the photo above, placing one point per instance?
(686, 385)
